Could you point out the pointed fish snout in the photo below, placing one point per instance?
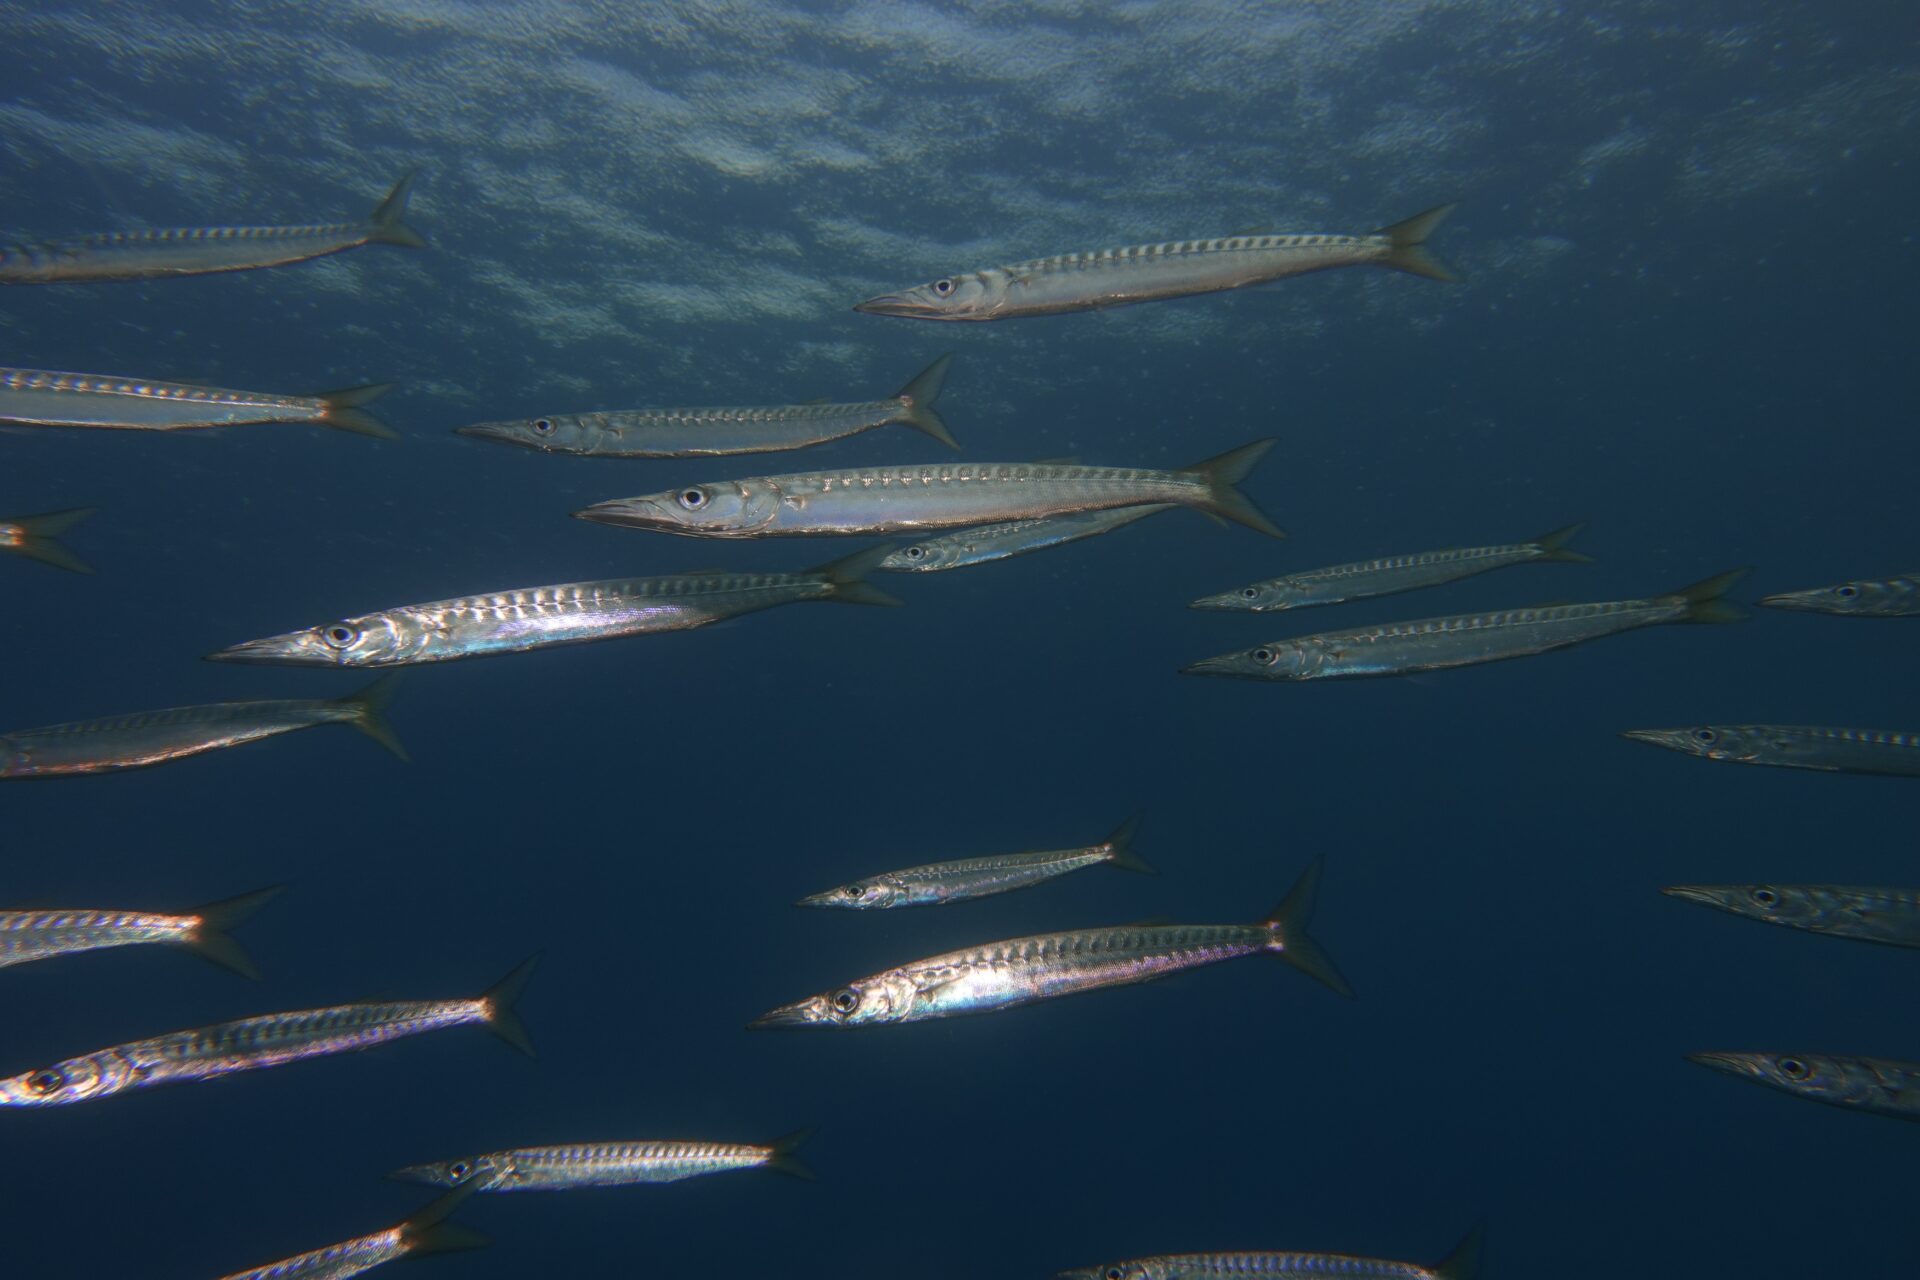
(273, 650)
(1208, 667)
(1692, 893)
(798, 1014)
(1736, 1064)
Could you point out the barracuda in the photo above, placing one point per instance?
(1786, 746)
(989, 542)
(1879, 1085)
(1462, 1264)
(33, 537)
(1364, 579)
(1154, 272)
(43, 398)
(196, 251)
(540, 617)
(272, 1040)
(1894, 597)
(425, 1232)
(1019, 971)
(942, 496)
(1433, 644)
(26, 936)
(696, 433)
(963, 878)
(609, 1164)
(1890, 916)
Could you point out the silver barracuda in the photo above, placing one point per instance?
(1390, 574)
(1462, 1264)
(989, 542)
(1894, 597)
(1432, 644)
(26, 936)
(1879, 1085)
(1891, 916)
(539, 617)
(198, 251)
(1000, 975)
(608, 1164)
(271, 1040)
(42, 398)
(710, 432)
(939, 496)
(33, 537)
(156, 737)
(1153, 272)
(425, 1232)
(963, 878)
(1788, 746)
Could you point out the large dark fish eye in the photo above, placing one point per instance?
(855, 890)
(1114, 1273)
(340, 635)
(543, 425)
(1765, 897)
(1794, 1069)
(914, 553)
(1264, 657)
(459, 1168)
(846, 1000)
(45, 1080)
(1249, 593)
(693, 499)
(1707, 736)
(943, 287)
(1846, 592)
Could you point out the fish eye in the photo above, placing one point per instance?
(914, 553)
(1765, 897)
(1249, 593)
(459, 1168)
(1114, 1273)
(693, 499)
(46, 1080)
(1264, 657)
(1794, 1069)
(340, 635)
(846, 1000)
(855, 890)
(543, 425)
(1707, 736)
(943, 287)
(1847, 592)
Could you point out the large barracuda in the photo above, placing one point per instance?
(156, 737)
(33, 537)
(1879, 1085)
(1431, 644)
(271, 1040)
(1462, 1264)
(608, 1164)
(575, 613)
(989, 542)
(697, 433)
(962, 878)
(26, 936)
(1891, 916)
(1894, 597)
(1789, 746)
(1000, 975)
(941, 496)
(425, 1232)
(1152, 272)
(198, 251)
(43, 398)
(1364, 579)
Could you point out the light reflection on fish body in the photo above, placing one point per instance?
(960, 879)
(1462, 1264)
(608, 1164)
(1897, 596)
(44, 398)
(986, 543)
(425, 1232)
(1879, 1085)
(26, 936)
(1001, 975)
(1891, 916)
(1882, 751)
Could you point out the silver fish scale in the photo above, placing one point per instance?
(283, 1032)
(1504, 618)
(641, 1161)
(993, 862)
(1460, 555)
(208, 713)
(948, 473)
(1281, 1265)
(1065, 951)
(1188, 248)
(335, 1262)
(50, 380)
(759, 413)
(596, 596)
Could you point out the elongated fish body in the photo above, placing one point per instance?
(271, 1040)
(1433, 644)
(26, 936)
(1155, 272)
(1000, 975)
(157, 737)
(607, 1164)
(198, 251)
(711, 432)
(425, 1232)
(1388, 575)
(991, 542)
(540, 617)
(1879, 1085)
(962, 878)
(1787, 746)
(42, 398)
(939, 496)
(1895, 597)
(1462, 1264)
(1891, 916)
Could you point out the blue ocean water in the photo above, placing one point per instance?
(1687, 320)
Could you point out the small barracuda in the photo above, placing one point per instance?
(701, 433)
(26, 936)
(1879, 1085)
(539, 617)
(42, 398)
(963, 878)
(1364, 579)
(1462, 1264)
(1432, 644)
(198, 251)
(33, 537)
(425, 1232)
(1153, 272)
(156, 737)
(989, 542)
(1894, 597)
(1000, 975)
(1794, 747)
(1891, 916)
(941, 496)
(271, 1040)
(608, 1164)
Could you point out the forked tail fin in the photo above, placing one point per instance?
(1222, 473)
(428, 1231)
(1464, 1262)
(344, 411)
(1408, 240)
(370, 713)
(1288, 924)
(387, 225)
(500, 999)
(1706, 600)
(1554, 545)
(782, 1159)
(1121, 844)
(847, 576)
(919, 395)
(210, 939)
(35, 538)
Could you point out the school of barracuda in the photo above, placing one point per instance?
(979, 513)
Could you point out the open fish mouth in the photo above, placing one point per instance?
(631, 513)
(801, 1013)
